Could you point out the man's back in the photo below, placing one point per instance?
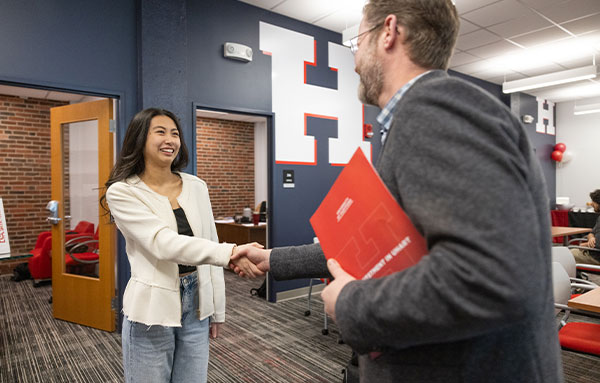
(479, 306)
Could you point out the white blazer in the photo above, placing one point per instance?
(154, 248)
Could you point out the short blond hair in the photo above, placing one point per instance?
(431, 27)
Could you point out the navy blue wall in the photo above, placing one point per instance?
(77, 46)
(87, 47)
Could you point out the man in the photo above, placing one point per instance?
(479, 306)
(589, 256)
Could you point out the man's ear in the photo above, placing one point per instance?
(393, 34)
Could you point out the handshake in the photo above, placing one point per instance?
(250, 260)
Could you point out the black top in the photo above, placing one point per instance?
(183, 228)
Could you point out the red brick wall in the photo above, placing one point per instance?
(25, 168)
(225, 160)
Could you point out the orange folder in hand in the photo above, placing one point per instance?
(360, 224)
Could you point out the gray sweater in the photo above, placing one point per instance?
(479, 306)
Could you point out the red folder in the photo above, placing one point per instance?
(360, 224)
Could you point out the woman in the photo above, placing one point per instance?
(170, 305)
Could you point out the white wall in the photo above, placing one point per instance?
(577, 178)
(260, 162)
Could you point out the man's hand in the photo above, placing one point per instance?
(332, 291)
(591, 242)
(259, 257)
(242, 265)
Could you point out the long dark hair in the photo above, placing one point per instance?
(131, 159)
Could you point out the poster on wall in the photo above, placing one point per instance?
(4, 246)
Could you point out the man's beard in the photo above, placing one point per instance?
(371, 78)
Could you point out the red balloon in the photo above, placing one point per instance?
(557, 155)
(560, 147)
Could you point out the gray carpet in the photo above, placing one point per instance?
(261, 342)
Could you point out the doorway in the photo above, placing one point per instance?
(25, 157)
(233, 157)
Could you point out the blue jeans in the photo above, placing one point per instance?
(168, 354)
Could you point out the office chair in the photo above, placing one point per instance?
(325, 329)
(583, 268)
(40, 264)
(83, 227)
(562, 255)
(576, 336)
(81, 256)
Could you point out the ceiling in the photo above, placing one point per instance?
(45, 94)
(499, 40)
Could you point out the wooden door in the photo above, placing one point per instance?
(81, 161)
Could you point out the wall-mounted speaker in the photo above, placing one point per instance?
(237, 52)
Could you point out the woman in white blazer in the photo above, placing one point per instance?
(176, 294)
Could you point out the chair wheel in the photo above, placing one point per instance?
(324, 331)
(307, 313)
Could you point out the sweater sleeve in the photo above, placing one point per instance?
(307, 261)
(464, 172)
(137, 221)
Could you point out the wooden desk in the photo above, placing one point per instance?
(240, 234)
(562, 231)
(589, 301)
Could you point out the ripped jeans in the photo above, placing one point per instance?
(168, 354)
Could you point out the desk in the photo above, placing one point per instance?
(561, 231)
(589, 301)
(241, 234)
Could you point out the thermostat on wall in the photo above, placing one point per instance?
(237, 52)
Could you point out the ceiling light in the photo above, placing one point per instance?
(587, 107)
(550, 79)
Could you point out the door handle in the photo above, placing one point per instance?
(52, 208)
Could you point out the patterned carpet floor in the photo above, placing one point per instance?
(261, 342)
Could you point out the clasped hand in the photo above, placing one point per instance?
(242, 265)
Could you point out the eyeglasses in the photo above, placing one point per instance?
(354, 41)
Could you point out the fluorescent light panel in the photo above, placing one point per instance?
(550, 79)
(587, 107)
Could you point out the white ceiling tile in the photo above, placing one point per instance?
(540, 37)
(540, 4)
(496, 13)
(476, 39)
(499, 48)
(306, 10)
(550, 68)
(339, 20)
(524, 24)
(462, 58)
(23, 92)
(464, 6)
(466, 27)
(266, 4)
(583, 25)
(570, 10)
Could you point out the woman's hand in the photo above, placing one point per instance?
(242, 263)
(214, 330)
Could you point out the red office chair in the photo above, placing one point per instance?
(576, 336)
(40, 265)
(82, 255)
(83, 227)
